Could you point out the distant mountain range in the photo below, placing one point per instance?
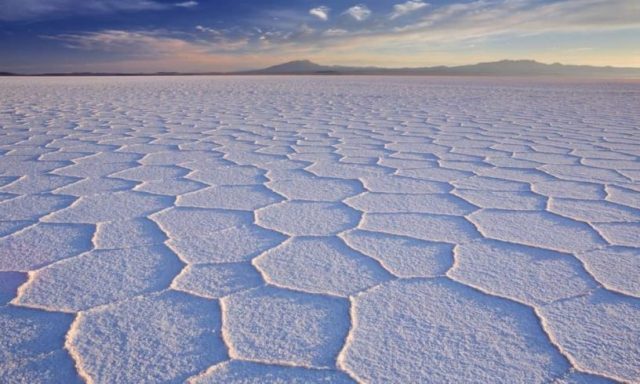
(496, 68)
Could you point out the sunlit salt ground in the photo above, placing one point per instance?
(319, 230)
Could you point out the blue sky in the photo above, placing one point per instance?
(199, 35)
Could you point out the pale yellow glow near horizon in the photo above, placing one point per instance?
(577, 57)
(207, 63)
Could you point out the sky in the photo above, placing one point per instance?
(227, 35)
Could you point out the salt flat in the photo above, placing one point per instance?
(319, 230)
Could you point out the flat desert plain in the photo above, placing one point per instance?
(319, 230)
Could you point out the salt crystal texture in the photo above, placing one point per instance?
(319, 230)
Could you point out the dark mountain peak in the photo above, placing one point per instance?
(296, 66)
(516, 61)
(300, 62)
(523, 63)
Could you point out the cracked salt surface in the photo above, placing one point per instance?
(319, 230)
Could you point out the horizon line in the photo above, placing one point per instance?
(337, 66)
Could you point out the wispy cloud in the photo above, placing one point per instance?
(187, 4)
(406, 8)
(130, 43)
(214, 31)
(321, 12)
(335, 32)
(162, 50)
(481, 18)
(359, 12)
(14, 10)
(153, 44)
(380, 39)
(478, 19)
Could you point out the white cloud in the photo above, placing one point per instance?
(444, 28)
(359, 12)
(13, 10)
(335, 32)
(156, 44)
(321, 12)
(458, 22)
(406, 8)
(135, 43)
(186, 4)
(481, 19)
(213, 31)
